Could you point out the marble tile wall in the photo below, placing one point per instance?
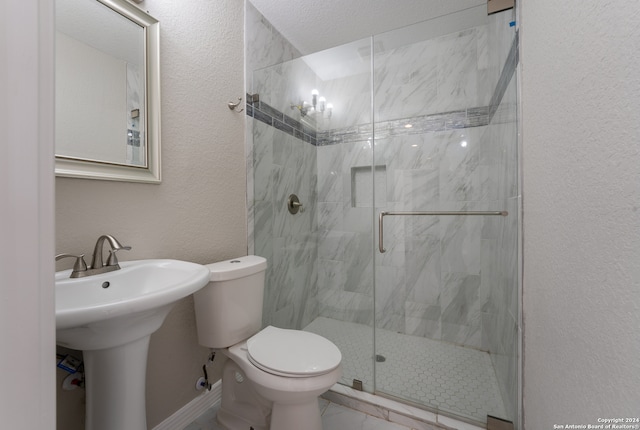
(345, 258)
(279, 162)
(265, 46)
(437, 75)
(429, 282)
(284, 164)
(285, 84)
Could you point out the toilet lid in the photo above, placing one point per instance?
(292, 352)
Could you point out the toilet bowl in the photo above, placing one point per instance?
(274, 375)
(291, 374)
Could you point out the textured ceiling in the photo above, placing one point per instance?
(312, 25)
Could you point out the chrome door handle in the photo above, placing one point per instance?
(435, 213)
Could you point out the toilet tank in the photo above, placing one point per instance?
(229, 308)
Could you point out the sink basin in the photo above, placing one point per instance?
(86, 307)
(110, 317)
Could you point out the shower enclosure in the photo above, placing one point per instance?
(416, 121)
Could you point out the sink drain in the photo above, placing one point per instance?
(380, 358)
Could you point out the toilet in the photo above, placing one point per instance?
(274, 376)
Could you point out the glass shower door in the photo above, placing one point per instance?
(440, 283)
(345, 203)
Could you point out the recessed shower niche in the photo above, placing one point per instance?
(361, 195)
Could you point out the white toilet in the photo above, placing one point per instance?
(274, 376)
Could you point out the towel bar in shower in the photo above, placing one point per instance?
(433, 213)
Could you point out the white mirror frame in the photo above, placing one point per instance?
(77, 168)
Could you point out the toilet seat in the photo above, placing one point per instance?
(292, 353)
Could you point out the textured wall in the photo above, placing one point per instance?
(198, 213)
(580, 101)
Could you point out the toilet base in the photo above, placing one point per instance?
(247, 403)
(244, 406)
(295, 417)
(241, 407)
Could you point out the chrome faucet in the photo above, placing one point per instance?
(80, 268)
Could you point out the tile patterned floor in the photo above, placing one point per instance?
(451, 378)
(334, 417)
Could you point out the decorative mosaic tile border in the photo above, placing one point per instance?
(273, 117)
(473, 117)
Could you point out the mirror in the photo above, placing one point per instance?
(107, 91)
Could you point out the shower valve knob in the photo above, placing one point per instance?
(294, 205)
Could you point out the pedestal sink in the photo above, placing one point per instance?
(110, 317)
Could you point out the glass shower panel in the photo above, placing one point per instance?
(345, 199)
(312, 137)
(437, 285)
(284, 163)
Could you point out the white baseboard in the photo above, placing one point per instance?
(192, 410)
